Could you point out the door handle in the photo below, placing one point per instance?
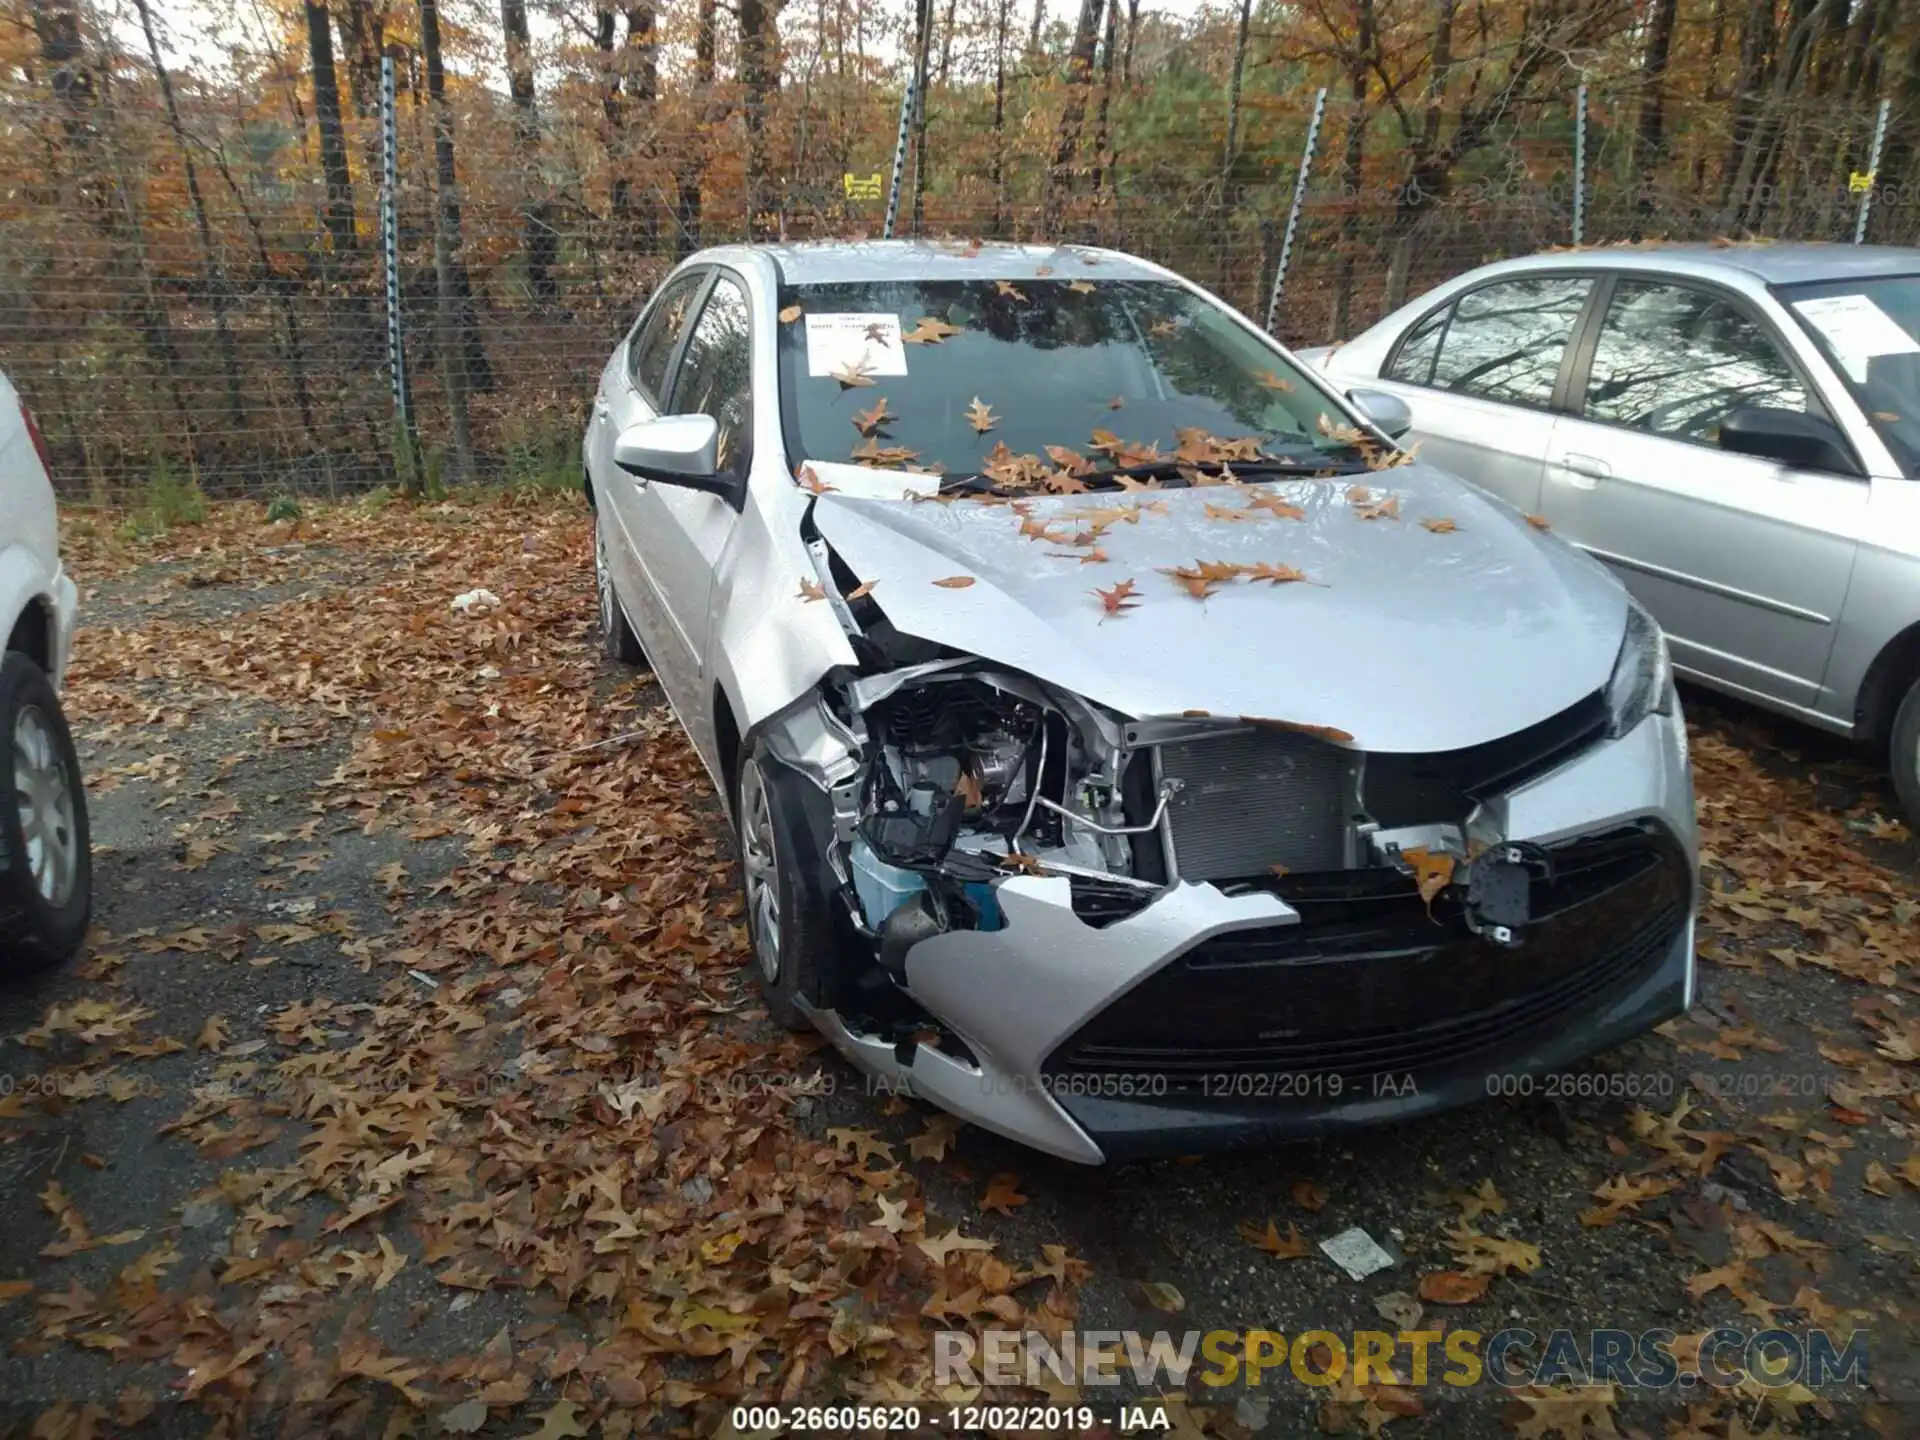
(1590, 466)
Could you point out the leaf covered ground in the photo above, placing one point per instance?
(412, 1083)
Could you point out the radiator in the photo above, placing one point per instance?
(1251, 801)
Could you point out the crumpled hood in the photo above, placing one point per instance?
(1406, 639)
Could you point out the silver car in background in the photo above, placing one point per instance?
(1129, 750)
(1734, 428)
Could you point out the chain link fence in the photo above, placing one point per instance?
(193, 291)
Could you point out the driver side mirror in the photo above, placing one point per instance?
(1794, 439)
(1389, 414)
(675, 450)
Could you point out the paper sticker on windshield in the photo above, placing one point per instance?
(846, 344)
(1858, 330)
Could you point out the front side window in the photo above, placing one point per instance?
(1869, 330)
(652, 348)
(1506, 341)
(1674, 360)
(716, 373)
(1014, 378)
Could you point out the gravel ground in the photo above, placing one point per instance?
(238, 882)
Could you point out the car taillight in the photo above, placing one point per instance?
(39, 440)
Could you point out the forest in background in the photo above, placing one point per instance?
(192, 286)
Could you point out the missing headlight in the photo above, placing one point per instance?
(947, 756)
(968, 768)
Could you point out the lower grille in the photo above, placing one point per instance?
(1254, 800)
(1368, 983)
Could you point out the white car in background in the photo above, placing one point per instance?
(46, 871)
(1733, 429)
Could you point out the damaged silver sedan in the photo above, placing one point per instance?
(1131, 749)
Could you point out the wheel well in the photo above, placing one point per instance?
(1893, 669)
(586, 484)
(726, 739)
(33, 634)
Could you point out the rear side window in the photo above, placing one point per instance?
(649, 351)
(1413, 361)
(1506, 341)
(716, 373)
(1674, 360)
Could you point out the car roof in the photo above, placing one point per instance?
(1763, 262)
(832, 261)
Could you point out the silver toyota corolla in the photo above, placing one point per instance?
(1735, 429)
(1130, 749)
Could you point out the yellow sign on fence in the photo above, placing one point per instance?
(1860, 182)
(869, 187)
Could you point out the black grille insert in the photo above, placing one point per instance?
(1421, 789)
(1368, 983)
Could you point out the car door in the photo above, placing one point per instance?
(687, 529)
(1744, 562)
(633, 388)
(1481, 374)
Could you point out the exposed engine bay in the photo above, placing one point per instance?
(946, 775)
(974, 775)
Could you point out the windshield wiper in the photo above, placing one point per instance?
(1267, 466)
(1241, 469)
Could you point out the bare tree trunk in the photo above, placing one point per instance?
(1133, 33)
(760, 78)
(923, 40)
(613, 133)
(1000, 118)
(1756, 40)
(637, 68)
(1039, 17)
(93, 165)
(1102, 125)
(1352, 158)
(446, 246)
(1229, 152)
(294, 347)
(1431, 169)
(538, 242)
(1650, 143)
(693, 161)
(641, 72)
(1865, 44)
(338, 214)
(1761, 154)
(1086, 33)
(56, 24)
(141, 296)
(946, 44)
(216, 276)
(363, 35)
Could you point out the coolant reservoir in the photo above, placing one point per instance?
(882, 888)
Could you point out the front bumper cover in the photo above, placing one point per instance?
(1021, 995)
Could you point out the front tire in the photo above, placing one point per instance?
(1904, 755)
(46, 862)
(617, 640)
(787, 916)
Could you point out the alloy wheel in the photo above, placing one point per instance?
(762, 867)
(603, 580)
(43, 793)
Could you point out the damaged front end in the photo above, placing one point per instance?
(946, 776)
(1108, 935)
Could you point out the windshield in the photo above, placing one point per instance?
(1870, 330)
(1054, 384)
